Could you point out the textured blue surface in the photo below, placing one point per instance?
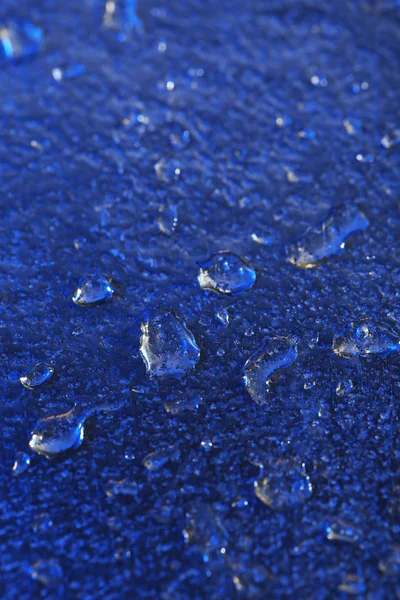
(138, 141)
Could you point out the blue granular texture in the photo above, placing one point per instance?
(137, 140)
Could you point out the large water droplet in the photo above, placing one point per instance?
(59, 433)
(93, 289)
(328, 237)
(286, 484)
(19, 40)
(36, 376)
(365, 338)
(21, 463)
(167, 346)
(156, 460)
(274, 355)
(226, 273)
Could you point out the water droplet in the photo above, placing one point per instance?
(21, 463)
(59, 433)
(226, 273)
(167, 346)
(344, 387)
(390, 565)
(20, 40)
(223, 315)
(48, 572)
(286, 484)
(262, 238)
(190, 403)
(168, 170)
(42, 522)
(38, 375)
(68, 72)
(365, 339)
(168, 219)
(354, 585)
(340, 531)
(93, 289)
(121, 15)
(328, 237)
(274, 355)
(155, 460)
(389, 141)
(124, 487)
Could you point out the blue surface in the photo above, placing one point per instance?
(138, 141)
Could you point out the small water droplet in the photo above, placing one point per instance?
(223, 315)
(226, 273)
(365, 339)
(21, 463)
(122, 16)
(190, 403)
(168, 220)
(271, 357)
(285, 484)
(93, 289)
(36, 376)
(168, 170)
(167, 346)
(344, 387)
(341, 531)
(41, 522)
(48, 572)
(309, 384)
(68, 72)
(328, 237)
(354, 585)
(20, 40)
(155, 460)
(124, 487)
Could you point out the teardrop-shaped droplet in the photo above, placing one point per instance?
(167, 346)
(273, 356)
(92, 290)
(226, 273)
(21, 463)
(19, 40)
(365, 338)
(36, 376)
(284, 485)
(328, 237)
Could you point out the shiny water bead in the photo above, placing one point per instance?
(19, 40)
(341, 531)
(92, 290)
(365, 338)
(155, 460)
(168, 219)
(21, 463)
(274, 355)
(59, 433)
(328, 237)
(226, 273)
(167, 346)
(284, 485)
(36, 376)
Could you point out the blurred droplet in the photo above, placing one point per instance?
(285, 484)
(168, 220)
(48, 572)
(344, 387)
(20, 40)
(21, 463)
(155, 460)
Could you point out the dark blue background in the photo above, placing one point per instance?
(279, 111)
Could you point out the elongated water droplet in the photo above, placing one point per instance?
(328, 237)
(285, 484)
(168, 220)
(93, 289)
(191, 402)
(167, 346)
(21, 463)
(156, 460)
(36, 376)
(273, 356)
(341, 531)
(124, 487)
(365, 338)
(223, 315)
(226, 273)
(19, 40)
